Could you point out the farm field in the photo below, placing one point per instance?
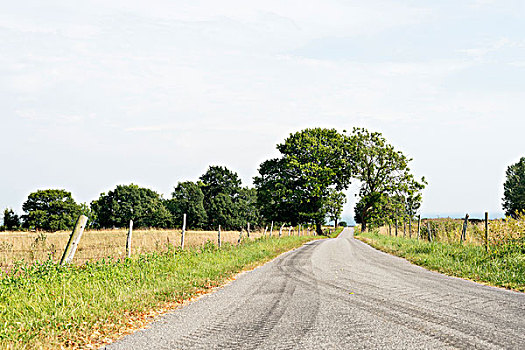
(98, 244)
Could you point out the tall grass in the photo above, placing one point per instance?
(45, 305)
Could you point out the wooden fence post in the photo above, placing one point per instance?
(418, 226)
(128, 240)
(389, 228)
(463, 236)
(74, 238)
(240, 237)
(486, 231)
(404, 226)
(248, 230)
(289, 231)
(265, 229)
(409, 227)
(429, 231)
(281, 231)
(183, 231)
(299, 233)
(219, 237)
(271, 230)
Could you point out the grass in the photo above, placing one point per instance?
(98, 244)
(43, 305)
(503, 265)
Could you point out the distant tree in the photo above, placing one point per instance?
(296, 187)
(218, 179)
(216, 184)
(11, 220)
(50, 210)
(246, 209)
(187, 198)
(334, 205)
(384, 176)
(221, 211)
(514, 189)
(343, 224)
(130, 202)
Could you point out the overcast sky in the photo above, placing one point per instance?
(99, 93)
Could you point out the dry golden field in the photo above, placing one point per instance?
(449, 230)
(98, 244)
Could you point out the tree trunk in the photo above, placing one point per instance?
(363, 226)
(336, 221)
(319, 228)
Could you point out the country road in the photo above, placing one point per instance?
(341, 294)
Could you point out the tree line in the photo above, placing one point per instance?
(217, 198)
(303, 186)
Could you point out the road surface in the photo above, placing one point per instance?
(341, 294)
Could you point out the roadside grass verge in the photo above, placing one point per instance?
(336, 232)
(43, 305)
(502, 266)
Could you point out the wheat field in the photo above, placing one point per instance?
(98, 244)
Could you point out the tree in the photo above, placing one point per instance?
(221, 211)
(295, 187)
(386, 181)
(334, 205)
(221, 182)
(50, 210)
(11, 220)
(218, 179)
(514, 189)
(246, 209)
(187, 198)
(131, 202)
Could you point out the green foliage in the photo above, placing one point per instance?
(50, 210)
(246, 209)
(187, 198)
(296, 187)
(343, 224)
(11, 220)
(130, 202)
(221, 211)
(334, 204)
(387, 186)
(514, 189)
(218, 179)
(52, 306)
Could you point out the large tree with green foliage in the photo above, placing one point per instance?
(387, 186)
(514, 189)
(11, 220)
(187, 198)
(219, 179)
(131, 202)
(50, 210)
(296, 187)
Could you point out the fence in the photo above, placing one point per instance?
(466, 230)
(93, 245)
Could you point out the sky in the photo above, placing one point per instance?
(99, 93)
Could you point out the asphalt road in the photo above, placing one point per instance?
(341, 294)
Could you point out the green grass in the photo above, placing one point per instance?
(502, 266)
(47, 306)
(336, 232)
